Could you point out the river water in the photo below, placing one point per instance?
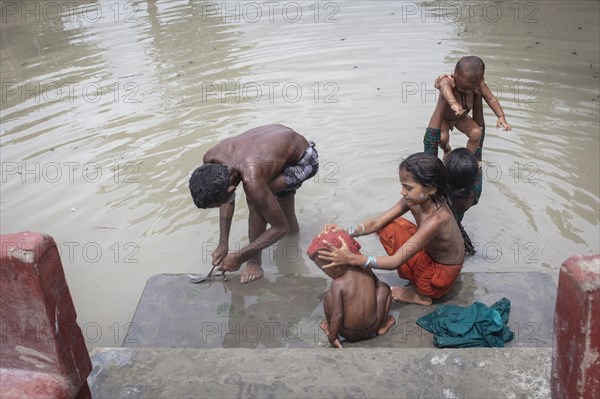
(107, 107)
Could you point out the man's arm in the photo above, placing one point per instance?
(225, 216)
(260, 196)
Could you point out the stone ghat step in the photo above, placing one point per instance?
(284, 311)
(320, 373)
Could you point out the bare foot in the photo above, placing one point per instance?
(251, 272)
(386, 325)
(410, 295)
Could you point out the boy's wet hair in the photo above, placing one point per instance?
(429, 171)
(461, 170)
(471, 67)
(208, 185)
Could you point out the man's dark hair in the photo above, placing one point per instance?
(461, 169)
(471, 67)
(208, 184)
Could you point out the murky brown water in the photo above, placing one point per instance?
(108, 106)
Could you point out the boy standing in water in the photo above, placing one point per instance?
(357, 305)
(460, 92)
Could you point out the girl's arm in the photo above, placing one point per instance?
(428, 230)
(372, 225)
(382, 220)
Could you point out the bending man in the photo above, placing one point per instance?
(271, 162)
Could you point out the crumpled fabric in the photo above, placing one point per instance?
(469, 327)
(318, 243)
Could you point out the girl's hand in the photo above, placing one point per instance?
(502, 121)
(334, 228)
(336, 256)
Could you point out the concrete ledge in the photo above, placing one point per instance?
(319, 373)
(284, 311)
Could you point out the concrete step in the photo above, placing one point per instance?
(320, 372)
(284, 311)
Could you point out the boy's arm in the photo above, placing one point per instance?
(337, 315)
(445, 84)
(494, 104)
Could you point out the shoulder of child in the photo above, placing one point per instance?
(440, 217)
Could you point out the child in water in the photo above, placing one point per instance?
(357, 305)
(460, 92)
(429, 254)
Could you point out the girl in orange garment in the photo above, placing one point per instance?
(429, 254)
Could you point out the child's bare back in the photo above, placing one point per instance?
(357, 292)
(357, 304)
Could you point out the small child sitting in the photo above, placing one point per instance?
(357, 305)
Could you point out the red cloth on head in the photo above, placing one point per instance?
(334, 239)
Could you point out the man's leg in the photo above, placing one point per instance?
(287, 204)
(256, 226)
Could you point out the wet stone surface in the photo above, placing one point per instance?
(284, 311)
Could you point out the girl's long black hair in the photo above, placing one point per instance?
(428, 170)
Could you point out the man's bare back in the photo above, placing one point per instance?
(260, 153)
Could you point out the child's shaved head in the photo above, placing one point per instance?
(471, 67)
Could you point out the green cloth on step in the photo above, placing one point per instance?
(474, 326)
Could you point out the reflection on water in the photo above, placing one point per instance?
(106, 108)
(276, 312)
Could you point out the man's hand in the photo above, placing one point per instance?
(336, 343)
(502, 121)
(220, 253)
(231, 263)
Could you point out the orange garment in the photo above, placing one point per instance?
(429, 277)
